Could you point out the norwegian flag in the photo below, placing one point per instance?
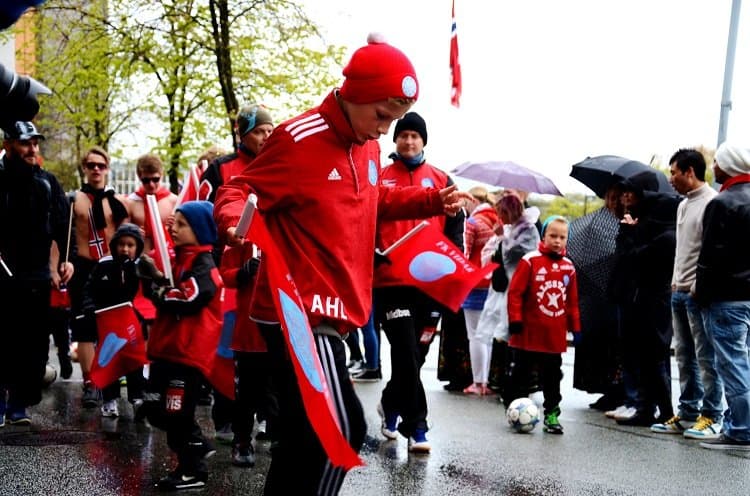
(163, 247)
(425, 259)
(97, 243)
(454, 63)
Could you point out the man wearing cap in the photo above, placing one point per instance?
(34, 213)
(722, 287)
(408, 315)
(254, 126)
(318, 190)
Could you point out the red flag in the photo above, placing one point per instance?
(299, 339)
(222, 373)
(190, 187)
(121, 348)
(454, 63)
(425, 259)
(163, 246)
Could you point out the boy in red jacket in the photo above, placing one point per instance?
(183, 342)
(542, 308)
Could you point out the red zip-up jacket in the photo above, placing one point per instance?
(543, 295)
(478, 230)
(189, 316)
(319, 194)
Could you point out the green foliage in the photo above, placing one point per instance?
(570, 206)
(178, 69)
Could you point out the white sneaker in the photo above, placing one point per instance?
(109, 409)
(617, 411)
(627, 413)
(704, 428)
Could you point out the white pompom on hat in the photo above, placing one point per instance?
(378, 71)
(733, 159)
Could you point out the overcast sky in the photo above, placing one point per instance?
(548, 83)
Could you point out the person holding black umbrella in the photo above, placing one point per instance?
(641, 285)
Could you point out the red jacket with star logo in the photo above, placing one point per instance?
(543, 295)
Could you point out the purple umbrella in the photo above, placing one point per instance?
(507, 175)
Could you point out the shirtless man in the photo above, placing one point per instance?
(97, 212)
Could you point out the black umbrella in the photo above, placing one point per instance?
(599, 173)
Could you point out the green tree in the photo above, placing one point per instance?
(570, 206)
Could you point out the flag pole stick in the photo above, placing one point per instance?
(405, 237)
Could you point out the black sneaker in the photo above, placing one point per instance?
(177, 480)
(367, 375)
(726, 443)
(91, 395)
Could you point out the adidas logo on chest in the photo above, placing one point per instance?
(334, 175)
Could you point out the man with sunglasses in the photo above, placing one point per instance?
(150, 171)
(97, 212)
(33, 214)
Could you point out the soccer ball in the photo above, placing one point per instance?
(522, 415)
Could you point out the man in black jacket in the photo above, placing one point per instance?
(33, 213)
(722, 286)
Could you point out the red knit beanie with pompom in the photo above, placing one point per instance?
(378, 71)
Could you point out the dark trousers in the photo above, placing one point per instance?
(25, 346)
(174, 388)
(59, 323)
(409, 320)
(135, 387)
(299, 464)
(254, 394)
(528, 367)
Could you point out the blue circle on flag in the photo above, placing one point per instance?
(372, 172)
(300, 338)
(566, 280)
(430, 266)
(427, 182)
(109, 348)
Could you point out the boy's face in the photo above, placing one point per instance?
(182, 233)
(127, 247)
(371, 120)
(556, 236)
(256, 138)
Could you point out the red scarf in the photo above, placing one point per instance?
(161, 193)
(742, 178)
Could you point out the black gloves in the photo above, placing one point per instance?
(247, 272)
(515, 328)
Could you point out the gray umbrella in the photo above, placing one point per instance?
(507, 175)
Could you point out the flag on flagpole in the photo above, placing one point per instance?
(163, 247)
(190, 187)
(316, 395)
(425, 259)
(121, 347)
(454, 63)
(222, 373)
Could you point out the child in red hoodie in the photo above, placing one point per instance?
(542, 308)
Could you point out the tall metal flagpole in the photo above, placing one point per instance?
(726, 94)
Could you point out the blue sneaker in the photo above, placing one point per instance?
(18, 416)
(418, 442)
(389, 425)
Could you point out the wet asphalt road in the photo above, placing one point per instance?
(70, 451)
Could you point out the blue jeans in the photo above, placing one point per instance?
(701, 388)
(727, 324)
(372, 343)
